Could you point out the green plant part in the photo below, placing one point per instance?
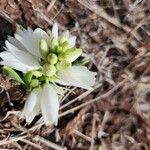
(72, 54)
(52, 58)
(44, 50)
(53, 78)
(64, 46)
(37, 73)
(49, 70)
(34, 83)
(53, 44)
(13, 74)
(28, 77)
(63, 65)
(62, 39)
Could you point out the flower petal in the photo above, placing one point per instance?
(26, 38)
(8, 56)
(72, 41)
(55, 30)
(22, 31)
(22, 56)
(78, 76)
(16, 43)
(13, 62)
(59, 90)
(16, 65)
(32, 105)
(49, 105)
(40, 34)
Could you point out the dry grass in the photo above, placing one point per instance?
(115, 115)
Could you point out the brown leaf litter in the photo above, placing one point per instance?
(115, 36)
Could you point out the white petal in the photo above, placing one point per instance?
(40, 34)
(78, 76)
(26, 38)
(58, 89)
(16, 43)
(72, 41)
(30, 39)
(22, 56)
(28, 43)
(32, 105)
(17, 66)
(55, 30)
(8, 56)
(49, 105)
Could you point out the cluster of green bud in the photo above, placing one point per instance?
(56, 55)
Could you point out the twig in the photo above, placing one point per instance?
(80, 97)
(48, 143)
(139, 25)
(51, 5)
(68, 93)
(9, 19)
(31, 143)
(8, 98)
(93, 100)
(95, 116)
(87, 138)
(12, 139)
(100, 12)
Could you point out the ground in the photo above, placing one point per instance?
(115, 115)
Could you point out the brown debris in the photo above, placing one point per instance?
(115, 36)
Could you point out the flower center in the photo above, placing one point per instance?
(56, 55)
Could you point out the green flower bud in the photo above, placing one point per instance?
(64, 46)
(34, 83)
(49, 70)
(37, 73)
(63, 65)
(61, 56)
(52, 58)
(54, 78)
(63, 38)
(59, 49)
(54, 44)
(72, 54)
(44, 50)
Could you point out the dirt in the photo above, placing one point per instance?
(115, 35)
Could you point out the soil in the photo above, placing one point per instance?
(115, 35)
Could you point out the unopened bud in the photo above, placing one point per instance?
(61, 56)
(34, 83)
(64, 46)
(63, 37)
(59, 49)
(49, 70)
(44, 50)
(54, 44)
(52, 58)
(72, 54)
(37, 73)
(63, 65)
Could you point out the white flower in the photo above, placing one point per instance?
(45, 100)
(50, 57)
(22, 52)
